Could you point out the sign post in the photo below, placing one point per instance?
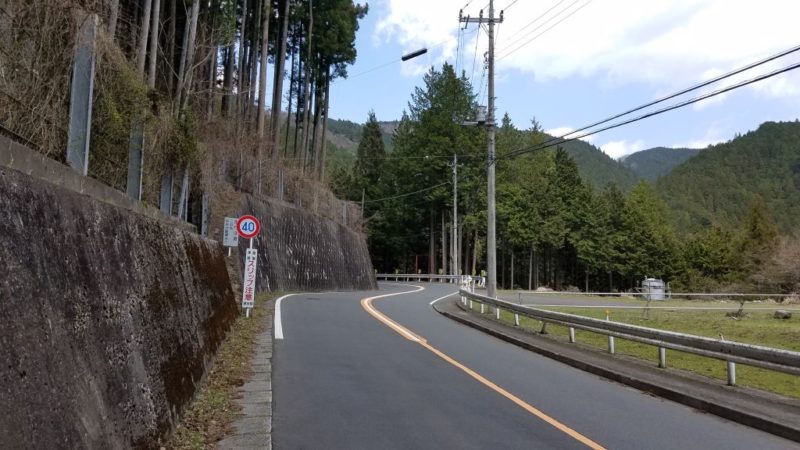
(248, 227)
(230, 238)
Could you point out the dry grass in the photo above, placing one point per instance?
(209, 417)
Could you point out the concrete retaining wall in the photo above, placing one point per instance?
(109, 319)
(298, 250)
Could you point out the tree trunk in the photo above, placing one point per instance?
(289, 106)
(240, 75)
(253, 61)
(475, 250)
(512, 269)
(298, 120)
(586, 281)
(173, 14)
(530, 269)
(307, 83)
(503, 269)
(460, 247)
(151, 72)
(535, 270)
(444, 244)
(262, 87)
(190, 55)
(182, 68)
(464, 260)
(112, 18)
(262, 77)
(315, 143)
(307, 120)
(212, 81)
(141, 52)
(277, 89)
(323, 150)
(227, 102)
(432, 245)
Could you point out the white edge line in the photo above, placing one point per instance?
(278, 326)
(443, 297)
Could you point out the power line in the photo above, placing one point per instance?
(535, 20)
(547, 29)
(689, 89)
(510, 5)
(407, 194)
(561, 140)
(475, 55)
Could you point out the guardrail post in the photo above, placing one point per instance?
(497, 312)
(731, 373)
(544, 328)
(611, 348)
(470, 304)
(571, 335)
(662, 357)
(482, 308)
(516, 319)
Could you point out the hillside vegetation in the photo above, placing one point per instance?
(599, 169)
(716, 186)
(182, 86)
(653, 163)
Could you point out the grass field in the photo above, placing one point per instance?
(720, 303)
(757, 327)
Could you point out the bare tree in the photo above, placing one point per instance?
(277, 90)
(151, 75)
(142, 46)
(242, 35)
(112, 19)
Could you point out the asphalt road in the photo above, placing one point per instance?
(413, 379)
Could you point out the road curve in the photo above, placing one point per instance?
(391, 373)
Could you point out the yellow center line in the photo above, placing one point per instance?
(366, 303)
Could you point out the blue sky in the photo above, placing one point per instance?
(588, 59)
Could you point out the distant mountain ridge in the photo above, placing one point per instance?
(346, 134)
(599, 169)
(717, 185)
(656, 162)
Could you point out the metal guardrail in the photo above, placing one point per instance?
(733, 352)
(731, 295)
(417, 277)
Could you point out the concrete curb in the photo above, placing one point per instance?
(254, 427)
(783, 420)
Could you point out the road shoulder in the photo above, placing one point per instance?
(768, 412)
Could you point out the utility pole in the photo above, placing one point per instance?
(491, 245)
(455, 216)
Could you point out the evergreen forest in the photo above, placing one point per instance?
(569, 217)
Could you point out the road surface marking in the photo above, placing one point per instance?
(443, 297)
(366, 303)
(278, 325)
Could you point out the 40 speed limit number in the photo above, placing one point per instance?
(248, 227)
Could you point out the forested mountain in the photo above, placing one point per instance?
(594, 166)
(599, 169)
(346, 134)
(656, 162)
(717, 185)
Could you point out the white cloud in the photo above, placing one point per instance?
(665, 43)
(618, 149)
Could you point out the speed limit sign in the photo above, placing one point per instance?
(248, 227)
